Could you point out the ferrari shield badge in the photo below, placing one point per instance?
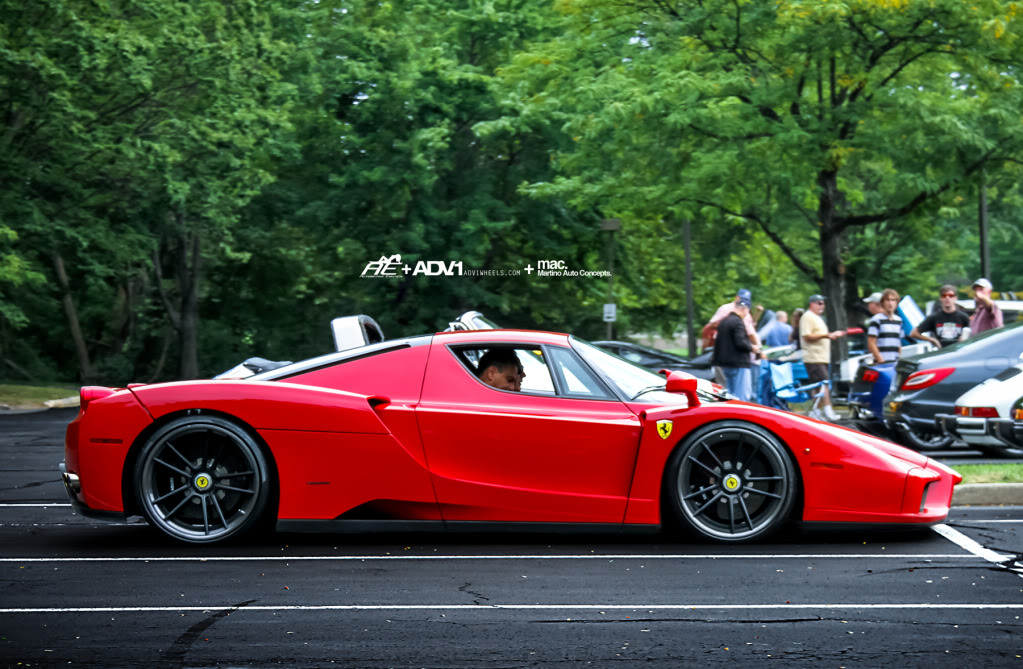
(664, 428)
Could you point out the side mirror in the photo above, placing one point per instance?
(681, 382)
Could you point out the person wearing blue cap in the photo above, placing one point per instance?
(733, 349)
(710, 329)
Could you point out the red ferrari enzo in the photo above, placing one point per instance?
(404, 434)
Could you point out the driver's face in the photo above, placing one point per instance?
(503, 379)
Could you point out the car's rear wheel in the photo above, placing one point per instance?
(999, 451)
(924, 441)
(202, 479)
(732, 481)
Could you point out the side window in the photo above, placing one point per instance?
(573, 377)
(535, 371)
(516, 368)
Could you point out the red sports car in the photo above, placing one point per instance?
(404, 434)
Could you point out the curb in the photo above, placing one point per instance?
(988, 494)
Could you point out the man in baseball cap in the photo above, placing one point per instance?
(987, 315)
(873, 302)
(816, 343)
(710, 329)
(733, 348)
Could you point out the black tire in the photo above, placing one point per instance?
(924, 441)
(202, 479)
(998, 452)
(732, 482)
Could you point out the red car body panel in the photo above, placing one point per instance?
(411, 433)
(504, 456)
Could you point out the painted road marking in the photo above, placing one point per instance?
(966, 543)
(36, 504)
(372, 558)
(513, 607)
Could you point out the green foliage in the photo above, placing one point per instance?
(215, 176)
(121, 118)
(806, 120)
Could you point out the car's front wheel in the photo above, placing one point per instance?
(202, 479)
(732, 481)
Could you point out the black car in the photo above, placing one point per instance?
(929, 384)
(656, 360)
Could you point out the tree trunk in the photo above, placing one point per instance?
(85, 370)
(832, 267)
(189, 271)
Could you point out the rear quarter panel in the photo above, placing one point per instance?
(332, 452)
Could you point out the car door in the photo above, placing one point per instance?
(562, 449)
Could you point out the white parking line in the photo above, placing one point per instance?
(966, 543)
(623, 556)
(33, 504)
(516, 607)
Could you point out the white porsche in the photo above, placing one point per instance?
(989, 416)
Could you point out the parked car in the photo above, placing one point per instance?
(872, 383)
(656, 360)
(989, 416)
(403, 435)
(929, 384)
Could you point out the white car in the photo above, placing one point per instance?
(989, 416)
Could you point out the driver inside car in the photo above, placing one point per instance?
(500, 368)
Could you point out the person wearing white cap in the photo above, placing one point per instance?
(987, 315)
(873, 302)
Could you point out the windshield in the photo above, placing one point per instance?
(629, 380)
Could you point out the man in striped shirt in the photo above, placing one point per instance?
(884, 330)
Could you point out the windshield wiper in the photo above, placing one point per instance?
(648, 389)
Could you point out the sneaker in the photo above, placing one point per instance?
(831, 414)
(816, 414)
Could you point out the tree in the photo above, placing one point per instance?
(132, 123)
(806, 120)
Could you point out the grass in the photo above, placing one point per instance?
(23, 396)
(1007, 473)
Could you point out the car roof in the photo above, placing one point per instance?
(1008, 337)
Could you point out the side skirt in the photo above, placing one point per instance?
(460, 526)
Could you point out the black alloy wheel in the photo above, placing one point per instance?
(732, 482)
(202, 479)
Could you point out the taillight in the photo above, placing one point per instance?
(926, 378)
(90, 393)
(977, 412)
(871, 375)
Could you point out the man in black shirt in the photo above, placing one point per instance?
(732, 348)
(948, 325)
